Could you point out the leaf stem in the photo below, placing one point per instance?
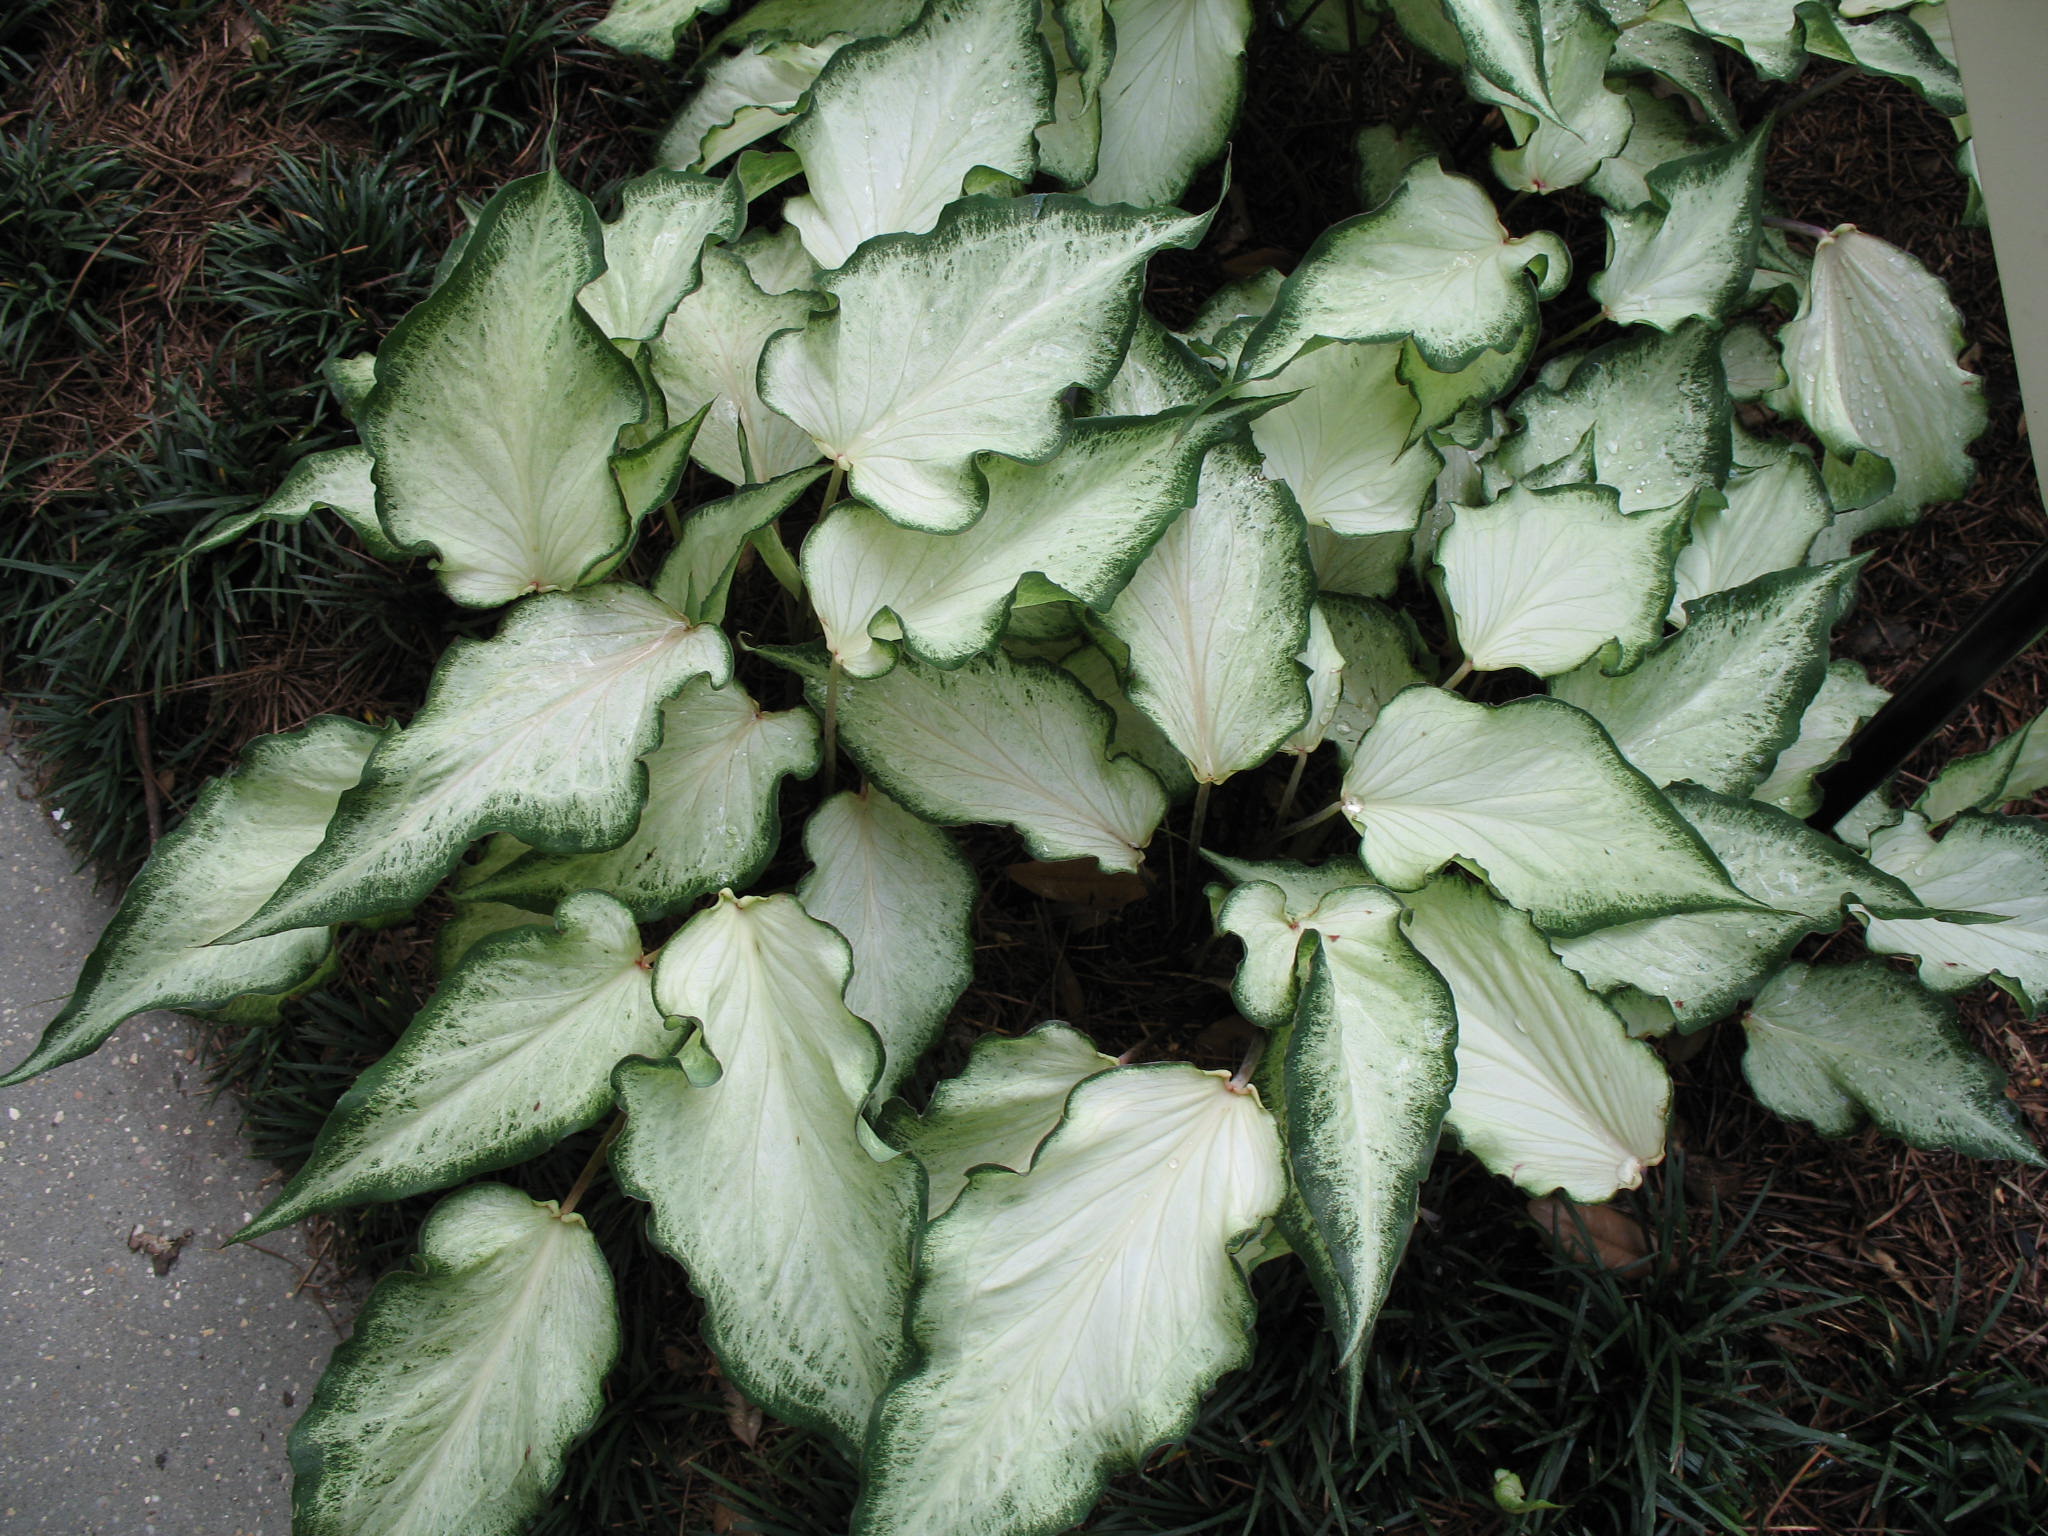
(598, 1156)
(1201, 815)
(1240, 1080)
(775, 555)
(1797, 227)
(834, 484)
(1827, 83)
(1464, 670)
(1572, 335)
(1287, 795)
(1310, 821)
(834, 675)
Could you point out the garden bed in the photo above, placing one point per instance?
(265, 194)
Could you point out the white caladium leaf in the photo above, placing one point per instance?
(514, 1052)
(1704, 963)
(961, 342)
(1588, 123)
(708, 353)
(1656, 408)
(1214, 616)
(1058, 1339)
(741, 98)
(1019, 743)
(1770, 521)
(474, 921)
(1721, 699)
(651, 27)
(1993, 865)
(452, 1405)
(1845, 700)
(1379, 650)
(1135, 733)
(653, 251)
(710, 816)
(535, 732)
(1081, 521)
(811, 21)
(243, 835)
(1368, 1074)
(1547, 579)
(2011, 769)
(1348, 445)
(696, 579)
(1368, 565)
(1006, 1100)
(1769, 33)
(1324, 664)
(1176, 77)
(1268, 909)
(1551, 1091)
(1684, 59)
(1504, 49)
(1751, 361)
(1535, 795)
(337, 479)
(1433, 262)
(502, 353)
(1690, 253)
(1079, 39)
(1831, 1044)
(763, 1189)
(902, 897)
(1895, 45)
(1871, 359)
(879, 159)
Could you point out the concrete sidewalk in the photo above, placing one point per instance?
(133, 1402)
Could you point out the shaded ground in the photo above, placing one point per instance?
(1925, 1236)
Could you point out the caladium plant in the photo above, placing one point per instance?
(1065, 571)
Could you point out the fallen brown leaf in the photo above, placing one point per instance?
(1081, 883)
(1599, 1233)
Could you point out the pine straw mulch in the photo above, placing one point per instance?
(1911, 1229)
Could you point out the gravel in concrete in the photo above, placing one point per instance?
(134, 1403)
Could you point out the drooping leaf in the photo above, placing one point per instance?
(337, 479)
(1896, 45)
(1548, 579)
(959, 342)
(812, 21)
(1081, 521)
(1433, 263)
(1079, 40)
(880, 159)
(1058, 1337)
(1833, 1044)
(1268, 908)
(1721, 699)
(902, 897)
(1006, 1100)
(242, 837)
(1535, 795)
(514, 1052)
(1845, 700)
(536, 732)
(742, 98)
(1588, 122)
(1662, 130)
(696, 579)
(1017, 743)
(651, 27)
(1175, 80)
(453, 1403)
(1771, 519)
(1504, 48)
(1994, 865)
(653, 251)
(1689, 255)
(1551, 1092)
(1685, 60)
(2010, 769)
(1135, 733)
(1653, 408)
(502, 354)
(708, 353)
(1324, 665)
(1871, 359)
(709, 820)
(1368, 1075)
(1704, 963)
(1768, 33)
(1213, 617)
(795, 1236)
